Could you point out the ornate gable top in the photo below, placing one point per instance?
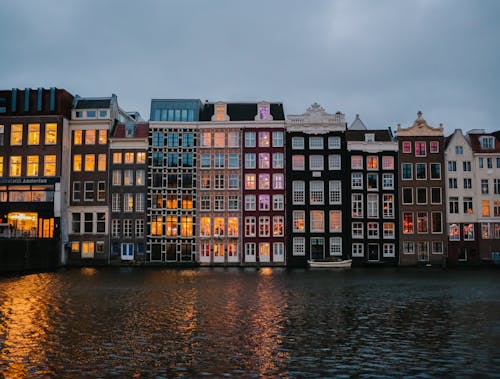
(420, 128)
(315, 116)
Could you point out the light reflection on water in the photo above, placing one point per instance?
(264, 323)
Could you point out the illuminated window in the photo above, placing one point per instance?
(389, 230)
(128, 202)
(406, 147)
(388, 205)
(263, 112)
(140, 157)
(90, 137)
(128, 177)
(264, 202)
(15, 166)
(16, 134)
(157, 226)
(33, 134)
(264, 181)
(129, 157)
(103, 136)
(117, 158)
(32, 165)
(372, 163)
(335, 221)
(232, 226)
(422, 222)
(264, 139)
(264, 160)
(233, 139)
(187, 226)
(171, 226)
(298, 162)
(205, 227)
(250, 181)
(87, 249)
(220, 112)
(219, 226)
(89, 162)
(357, 162)
(485, 206)
(101, 162)
(49, 168)
(408, 222)
(219, 139)
(387, 163)
(264, 227)
(50, 134)
(77, 137)
(1, 166)
(278, 226)
(250, 227)
(420, 149)
(298, 221)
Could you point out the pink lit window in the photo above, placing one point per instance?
(420, 150)
(406, 147)
(434, 147)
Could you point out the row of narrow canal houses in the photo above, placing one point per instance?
(228, 183)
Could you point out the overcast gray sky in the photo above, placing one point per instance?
(383, 59)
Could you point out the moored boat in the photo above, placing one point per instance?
(330, 264)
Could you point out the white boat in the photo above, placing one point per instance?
(330, 264)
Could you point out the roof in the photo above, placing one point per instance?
(476, 144)
(242, 111)
(89, 103)
(359, 135)
(140, 130)
(357, 124)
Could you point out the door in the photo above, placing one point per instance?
(317, 248)
(373, 252)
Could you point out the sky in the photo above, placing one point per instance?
(385, 60)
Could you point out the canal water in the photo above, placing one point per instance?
(159, 323)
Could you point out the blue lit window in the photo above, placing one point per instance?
(188, 140)
(157, 139)
(172, 139)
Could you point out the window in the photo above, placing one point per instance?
(481, 163)
(88, 224)
(335, 246)
(453, 205)
(278, 181)
(452, 183)
(435, 170)
(205, 227)
(172, 160)
(298, 192)
(101, 162)
(249, 139)
(408, 222)
(250, 181)
(484, 186)
(485, 206)
(406, 147)
(298, 221)
(172, 202)
(139, 228)
(452, 166)
(334, 162)
(128, 157)
(115, 202)
(468, 205)
(140, 177)
(389, 230)
(486, 142)
(115, 229)
(264, 227)
(140, 157)
(264, 202)
(264, 140)
(335, 221)
(172, 140)
(128, 177)
(205, 181)
(171, 226)
(250, 204)
(117, 158)
(277, 139)
(278, 202)
(218, 160)
(32, 165)
(264, 160)
(387, 163)
(297, 143)
(33, 134)
(357, 180)
(407, 195)
(316, 192)
(372, 163)
(421, 171)
(76, 192)
(317, 221)
(1, 166)
(139, 202)
(434, 146)
(89, 162)
(454, 232)
(219, 181)
(16, 134)
(128, 202)
(233, 181)
(467, 183)
(233, 161)
(101, 191)
(157, 225)
(407, 171)
(334, 142)
(389, 250)
(219, 139)
(435, 195)
(75, 223)
(218, 226)
(219, 203)
(358, 250)
(388, 205)
(298, 162)
(335, 192)
(372, 206)
(77, 137)
(103, 135)
(436, 222)
(421, 195)
(388, 181)
(101, 223)
(205, 160)
(357, 205)
(250, 227)
(422, 222)
(232, 226)
(357, 230)
(264, 181)
(249, 160)
(316, 163)
(467, 166)
(117, 178)
(233, 139)
(187, 226)
(299, 246)
(468, 232)
(437, 247)
(496, 210)
(233, 203)
(278, 160)
(90, 137)
(372, 181)
(88, 191)
(496, 186)
(356, 162)
(50, 134)
(420, 149)
(315, 143)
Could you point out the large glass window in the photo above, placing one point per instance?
(250, 203)
(372, 181)
(372, 206)
(103, 136)
(407, 171)
(278, 160)
(16, 134)
(171, 226)
(264, 181)
(90, 137)
(32, 165)
(421, 170)
(89, 162)
(420, 149)
(50, 134)
(15, 166)
(33, 134)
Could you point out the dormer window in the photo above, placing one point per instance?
(369, 137)
(79, 114)
(220, 112)
(263, 112)
(91, 114)
(103, 114)
(129, 130)
(487, 142)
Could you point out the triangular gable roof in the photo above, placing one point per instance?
(420, 128)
